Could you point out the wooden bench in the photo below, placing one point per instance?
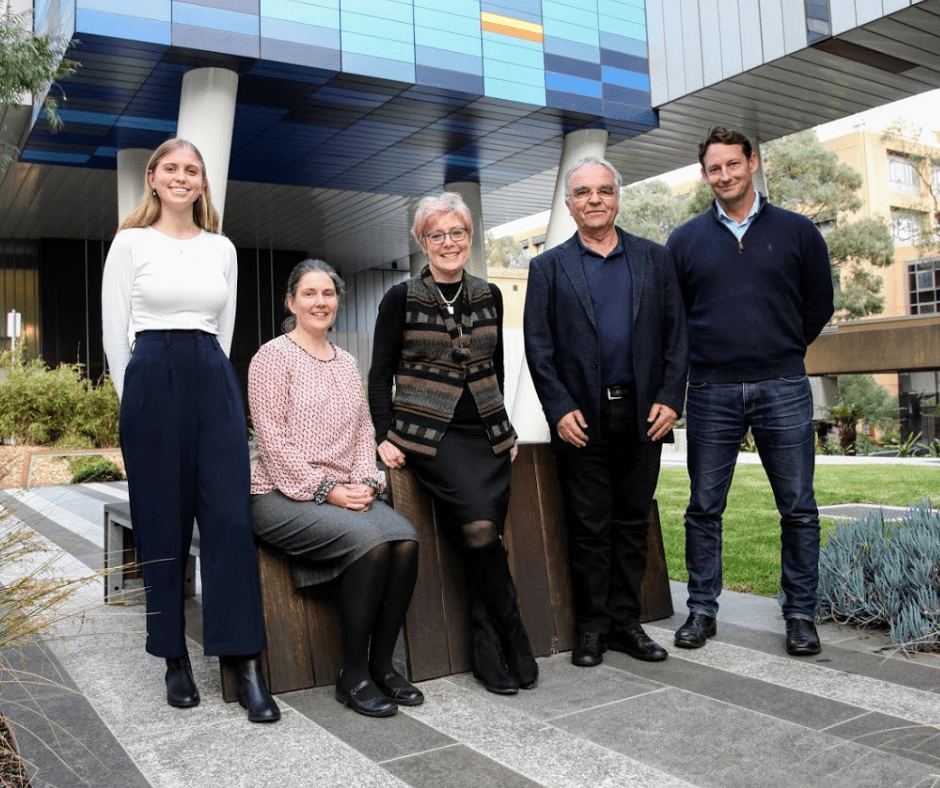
(123, 579)
(303, 627)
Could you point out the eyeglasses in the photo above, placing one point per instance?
(456, 235)
(583, 192)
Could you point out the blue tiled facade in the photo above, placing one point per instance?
(423, 92)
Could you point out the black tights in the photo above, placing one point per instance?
(374, 595)
(478, 533)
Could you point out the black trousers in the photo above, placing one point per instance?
(185, 449)
(607, 488)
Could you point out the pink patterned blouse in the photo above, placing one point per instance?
(311, 420)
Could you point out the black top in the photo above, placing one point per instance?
(611, 285)
(386, 355)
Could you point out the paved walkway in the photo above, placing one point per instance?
(738, 713)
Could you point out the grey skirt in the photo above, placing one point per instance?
(323, 538)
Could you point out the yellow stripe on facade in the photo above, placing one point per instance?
(507, 26)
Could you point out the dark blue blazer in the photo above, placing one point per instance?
(561, 341)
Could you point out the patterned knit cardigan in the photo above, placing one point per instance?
(438, 357)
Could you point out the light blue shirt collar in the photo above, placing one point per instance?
(731, 224)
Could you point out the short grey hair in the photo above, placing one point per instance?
(591, 160)
(293, 281)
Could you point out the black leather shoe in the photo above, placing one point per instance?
(590, 649)
(635, 642)
(802, 638)
(253, 695)
(696, 630)
(397, 688)
(365, 698)
(181, 690)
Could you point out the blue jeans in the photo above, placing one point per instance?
(780, 414)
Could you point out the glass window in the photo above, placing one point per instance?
(924, 295)
(901, 175)
(905, 226)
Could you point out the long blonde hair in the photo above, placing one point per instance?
(148, 209)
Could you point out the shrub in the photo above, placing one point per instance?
(94, 468)
(46, 406)
(873, 573)
(861, 398)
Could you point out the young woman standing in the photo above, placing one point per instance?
(168, 309)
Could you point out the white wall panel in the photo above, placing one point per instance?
(890, 6)
(729, 27)
(752, 46)
(771, 29)
(692, 47)
(867, 11)
(711, 41)
(842, 15)
(794, 25)
(656, 44)
(675, 56)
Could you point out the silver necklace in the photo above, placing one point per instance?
(450, 304)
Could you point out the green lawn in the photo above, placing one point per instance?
(751, 522)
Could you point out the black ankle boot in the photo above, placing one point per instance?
(181, 690)
(486, 654)
(489, 567)
(252, 692)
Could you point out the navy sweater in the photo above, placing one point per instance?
(753, 307)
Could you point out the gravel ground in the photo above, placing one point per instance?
(46, 470)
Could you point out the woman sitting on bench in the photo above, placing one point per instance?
(314, 488)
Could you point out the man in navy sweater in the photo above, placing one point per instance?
(757, 286)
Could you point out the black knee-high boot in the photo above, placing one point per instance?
(486, 653)
(489, 570)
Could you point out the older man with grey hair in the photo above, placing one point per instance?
(606, 344)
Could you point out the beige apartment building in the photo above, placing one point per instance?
(900, 184)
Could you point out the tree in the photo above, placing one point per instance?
(804, 177)
(651, 210)
(504, 252)
(29, 63)
(860, 398)
(701, 198)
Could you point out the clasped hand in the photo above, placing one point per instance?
(356, 497)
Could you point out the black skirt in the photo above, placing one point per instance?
(466, 480)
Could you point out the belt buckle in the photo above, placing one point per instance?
(611, 395)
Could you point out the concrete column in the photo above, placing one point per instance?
(417, 261)
(131, 179)
(470, 191)
(206, 119)
(577, 145)
(759, 177)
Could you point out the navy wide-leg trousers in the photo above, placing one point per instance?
(185, 447)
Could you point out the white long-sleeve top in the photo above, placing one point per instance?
(154, 282)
